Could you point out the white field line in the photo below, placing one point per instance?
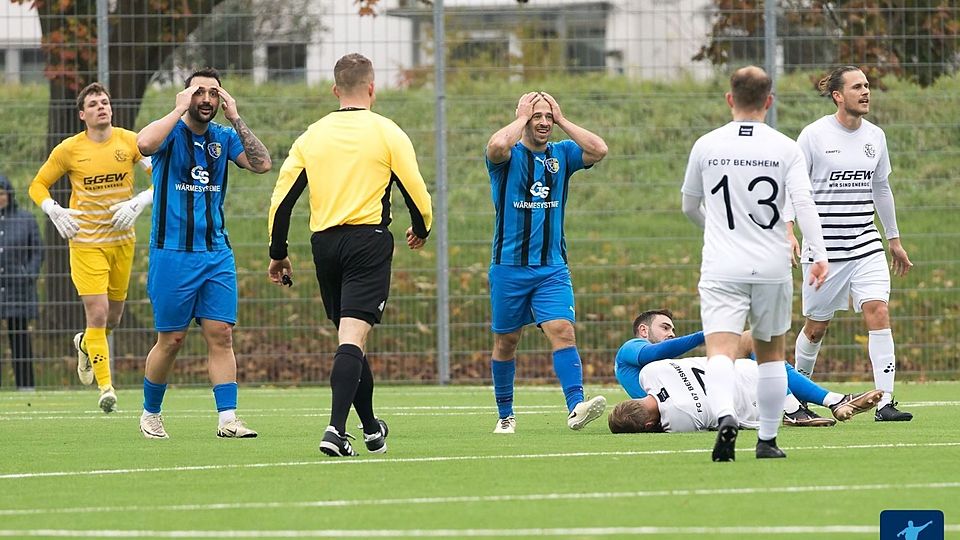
(100, 417)
(310, 412)
(532, 497)
(486, 407)
(426, 390)
(455, 533)
(437, 459)
(415, 410)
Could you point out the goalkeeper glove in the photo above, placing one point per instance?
(62, 218)
(126, 212)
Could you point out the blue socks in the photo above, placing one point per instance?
(503, 375)
(153, 396)
(226, 396)
(566, 364)
(803, 388)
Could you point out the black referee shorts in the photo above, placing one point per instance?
(353, 269)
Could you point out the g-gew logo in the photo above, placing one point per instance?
(540, 190)
(911, 525)
(200, 174)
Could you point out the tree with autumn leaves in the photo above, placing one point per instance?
(915, 40)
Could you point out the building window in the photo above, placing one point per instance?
(480, 51)
(586, 48)
(287, 61)
(32, 64)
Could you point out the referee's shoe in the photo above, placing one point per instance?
(334, 444)
(377, 442)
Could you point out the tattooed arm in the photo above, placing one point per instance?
(255, 156)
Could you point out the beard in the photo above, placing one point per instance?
(857, 110)
(194, 112)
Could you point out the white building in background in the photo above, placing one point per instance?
(21, 59)
(643, 39)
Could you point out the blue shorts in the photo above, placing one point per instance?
(521, 295)
(185, 285)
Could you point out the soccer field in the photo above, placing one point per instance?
(68, 470)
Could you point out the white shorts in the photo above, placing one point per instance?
(726, 306)
(860, 280)
(744, 395)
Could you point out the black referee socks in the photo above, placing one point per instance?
(344, 380)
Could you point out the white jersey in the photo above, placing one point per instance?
(678, 387)
(742, 171)
(844, 167)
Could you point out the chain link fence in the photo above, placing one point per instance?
(647, 76)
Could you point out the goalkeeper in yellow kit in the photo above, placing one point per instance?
(98, 223)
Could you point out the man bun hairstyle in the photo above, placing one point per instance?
(91, 89)
(833, 82)
(353, 71)
(208, 72)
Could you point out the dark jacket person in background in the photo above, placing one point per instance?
(20, 258)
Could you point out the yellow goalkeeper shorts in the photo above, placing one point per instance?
(102, 270)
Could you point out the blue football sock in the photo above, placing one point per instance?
(566, 364)
(153, 396)
(226, 396)
(503, 374)
(803, 388)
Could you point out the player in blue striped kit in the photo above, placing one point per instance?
(192, 273)
(529, 278)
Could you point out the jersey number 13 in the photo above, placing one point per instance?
(723, 186)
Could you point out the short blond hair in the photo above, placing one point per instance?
(352, 71)
(630, 417)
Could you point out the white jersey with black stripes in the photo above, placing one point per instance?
(846, 167)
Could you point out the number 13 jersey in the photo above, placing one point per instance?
(742, 172)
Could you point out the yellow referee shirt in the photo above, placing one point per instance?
(349, 159)
(101, 174)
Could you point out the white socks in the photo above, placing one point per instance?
(771, 391)
(880, 346)
(832, 398)
(791, 404)
(806, 354)
(720, 379)
(228, 415)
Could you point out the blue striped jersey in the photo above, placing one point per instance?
(190, 183)
(530, 195)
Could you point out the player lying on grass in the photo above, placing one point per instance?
(677, 385)
(675, 400)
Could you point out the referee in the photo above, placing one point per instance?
(349, 160)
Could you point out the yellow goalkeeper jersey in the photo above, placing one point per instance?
(101, 175)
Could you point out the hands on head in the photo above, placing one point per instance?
(527, 101)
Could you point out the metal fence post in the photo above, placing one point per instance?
(440, 216)
(103, 42)
(770, 53)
